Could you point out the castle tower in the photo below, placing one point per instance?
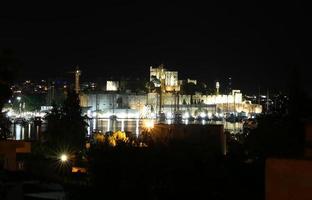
(77, 80)
(217, 87)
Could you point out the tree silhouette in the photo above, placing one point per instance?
(5, 94)
(65, 125)
(188, 88)
(150, 86)
(8, 68)
(282, 133)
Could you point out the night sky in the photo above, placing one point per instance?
(254, 43)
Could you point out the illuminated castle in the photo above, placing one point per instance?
(167, 100)
(161, 77)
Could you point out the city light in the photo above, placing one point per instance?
(149, 123)
(209, 115)
(94, 114)
(9, 113)
(122, 115)
(169, 115)
(186, 115)
(202, 115)
(153, 115)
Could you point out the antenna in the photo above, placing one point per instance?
(267, 101)
(259, 97)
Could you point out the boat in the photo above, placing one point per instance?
(37, 121)
(177, 118)
(191, 118)
(162, 117)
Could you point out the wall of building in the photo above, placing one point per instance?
(112, 85)
(110, 101)
(171, 102)
(8, 151)
(219, 99)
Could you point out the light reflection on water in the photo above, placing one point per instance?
(135, 125)
(104, 125)
(29, 131)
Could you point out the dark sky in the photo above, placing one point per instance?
(254, 43)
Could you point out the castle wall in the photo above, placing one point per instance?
(193, 104)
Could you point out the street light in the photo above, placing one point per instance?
(64, 158)
(148, 125)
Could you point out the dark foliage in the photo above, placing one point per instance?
(8, 69)
(188, 88)
(175, 171)
(281, 133)
(66, 128)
